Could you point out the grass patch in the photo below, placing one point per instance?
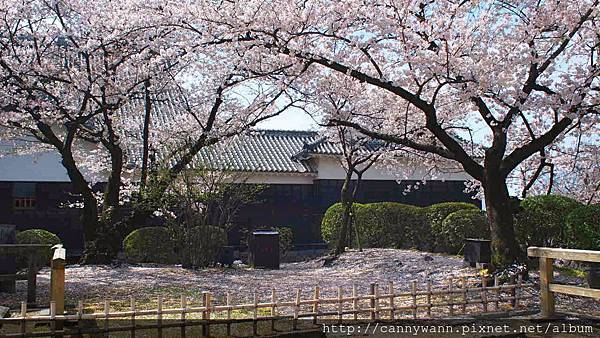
(571, 272)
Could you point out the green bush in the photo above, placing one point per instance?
(542, 220)
(461, 224)
(331, 222)
(436, 214)
(381, 225)
(583, 227)
(150, 245)
(390, 225)
(286, 240)
(200, 245)
(36, 236)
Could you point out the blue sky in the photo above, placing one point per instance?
(292, 119)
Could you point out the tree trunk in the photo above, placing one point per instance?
(146, 135)
(89, 216)
(500, 213)
(346, 200)
(107, 241)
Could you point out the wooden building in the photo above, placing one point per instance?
(300, 171)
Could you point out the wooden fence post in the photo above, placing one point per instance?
(24, 316)
(228, 303)
(340, 304)
(413, 291)
(429, 305)
(497, 285)
(296, 310)
(255, 314)
(132, 304)
(392, 306)
(208, 304)
(546, 296)
(316, 305)
(463, 285)
(57, 279)
(372, 303)
(354, 301)
(273, 308)
(183, 315)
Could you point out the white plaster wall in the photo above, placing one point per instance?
(270, 178)
(42, 167)
(330, 168)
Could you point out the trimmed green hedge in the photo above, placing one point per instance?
(389, 224)
(436, 214)
(330, 224)
(583, 227)
(286, 240)
(542, 220)
(150, 245)
(461, 224)
(36, 236)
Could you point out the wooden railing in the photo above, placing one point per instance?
(457, 298)
(547, 288)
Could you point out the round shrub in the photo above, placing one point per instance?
(542, 220)
(150, 245)
(330, 224)
(36, 236)
(583, 227)
(461, 224)
(436, 213)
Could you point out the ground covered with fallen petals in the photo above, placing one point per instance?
(118, 283)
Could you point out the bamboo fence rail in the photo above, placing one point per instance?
(455, 300)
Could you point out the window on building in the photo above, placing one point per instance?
(24, 196)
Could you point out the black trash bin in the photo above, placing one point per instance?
(478, 251)
(264, 249)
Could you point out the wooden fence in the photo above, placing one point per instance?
(456, 298)
(547, 288)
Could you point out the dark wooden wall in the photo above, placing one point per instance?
(48, 213)
(299, 206)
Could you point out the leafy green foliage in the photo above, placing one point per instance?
(36, 236)
(330, 225)
(583, 227)
(385, 224)
(286, 240)
(438, 212)
(542, 220)
(200, 245)
(150, 245)
(461, 224)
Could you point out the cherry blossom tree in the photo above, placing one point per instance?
(73, 75)
(65, 70)
(522, 76)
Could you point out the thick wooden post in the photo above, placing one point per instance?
(32, 270)
(546, 296)
(57, 279)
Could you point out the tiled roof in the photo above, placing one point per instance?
(275, 151)
(261, 151)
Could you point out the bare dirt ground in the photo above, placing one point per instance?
(117, 283)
